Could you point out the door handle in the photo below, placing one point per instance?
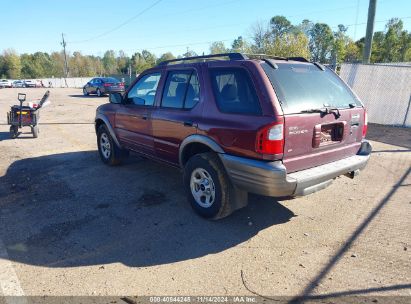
(144, 117)
(188, 123)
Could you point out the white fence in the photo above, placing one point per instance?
(384, 89)
(72, 82)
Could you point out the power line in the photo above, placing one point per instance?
(377, 21)
(322, 11)
(120, 25)
(244, 36)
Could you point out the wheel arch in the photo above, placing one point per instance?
(99, 121)
(195, 144)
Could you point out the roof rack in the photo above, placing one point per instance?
(233, 56)
(265, 56)
(230, 56)
(302, 59)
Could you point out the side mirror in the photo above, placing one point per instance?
(21, 97)
(115, 98)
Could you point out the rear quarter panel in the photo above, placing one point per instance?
(236, 133)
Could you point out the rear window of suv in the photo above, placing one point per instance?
(234, 91)
(304, 86)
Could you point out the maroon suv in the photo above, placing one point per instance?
(236, 124)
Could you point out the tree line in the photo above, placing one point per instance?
(315, 41)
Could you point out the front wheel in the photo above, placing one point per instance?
(85, 93)
(109, 152)
(98, 92)
(207, 186)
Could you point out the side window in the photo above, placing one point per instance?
(181, 90)
(144, 91)
(234, 91)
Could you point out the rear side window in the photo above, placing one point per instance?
(181, 90)
(234, 91)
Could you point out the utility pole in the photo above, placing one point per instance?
(63, 43)
(370, 31)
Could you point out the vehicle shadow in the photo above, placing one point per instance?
(68, 210)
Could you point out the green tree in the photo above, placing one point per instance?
(57, 64)
(109, 62)
(240, 45)
(305, 27)
(11, 64)
(321, 42)
(280, 25)
(218, 47)
(142, 61)
(260, 35)
(377, 50)
(352, 52)
(289, 45)
(189, 53)
(123, 62)
(165, 56)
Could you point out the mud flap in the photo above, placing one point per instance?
(239, 199)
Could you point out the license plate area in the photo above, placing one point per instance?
(328, 134)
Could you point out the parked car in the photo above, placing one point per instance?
(266, 125)
(29, 83)
(18, 84)
(5, 83)
(103, 85)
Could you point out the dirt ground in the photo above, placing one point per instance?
(71, 226)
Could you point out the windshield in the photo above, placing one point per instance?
(304, 86)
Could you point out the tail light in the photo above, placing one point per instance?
(107, 84)
(365, 126)
(270, 139)
(121, 84)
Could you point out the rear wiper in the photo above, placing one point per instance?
(324, 111)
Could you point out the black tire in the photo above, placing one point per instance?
(85, 93)
(98, 92)
(221, 205)
(35, 130)
(14, 131)
(115, 155)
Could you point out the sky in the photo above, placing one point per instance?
(94, 26)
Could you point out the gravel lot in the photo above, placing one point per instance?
(70, 225)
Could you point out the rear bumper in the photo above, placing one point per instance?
(271, 178)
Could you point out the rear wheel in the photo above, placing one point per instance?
(109, 152)
(14, 131)
(98, 92)
(207, 186)
(35, 130)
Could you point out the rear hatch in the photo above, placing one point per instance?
(323, 119)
